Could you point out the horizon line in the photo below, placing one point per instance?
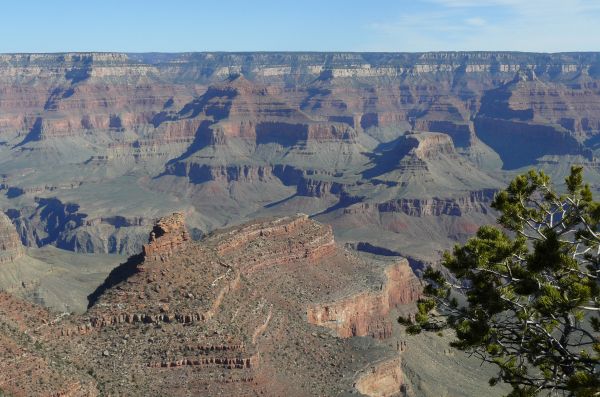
(303, 52)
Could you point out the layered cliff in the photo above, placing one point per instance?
(382, 380)
(96, 146)
(367, 313)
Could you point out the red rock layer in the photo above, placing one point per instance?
(366, 313)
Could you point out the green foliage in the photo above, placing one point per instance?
(531, 289)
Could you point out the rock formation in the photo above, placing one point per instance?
(382, 380)
(367, 313)
(226, 315)
(96, 146)
(10, 243)
(167, 236)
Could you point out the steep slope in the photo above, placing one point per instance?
(27, 366)
(10, 243)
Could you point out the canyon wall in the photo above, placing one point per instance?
(95, 147)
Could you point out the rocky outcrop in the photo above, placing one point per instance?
(317, 242)
(240, 236)
(382, 380)
(427, 146)
(366, 313)
(226, 313)
(462, 133)
(10, 243)
(219, 362)
(167, 236)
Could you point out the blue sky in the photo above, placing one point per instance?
(307, 25)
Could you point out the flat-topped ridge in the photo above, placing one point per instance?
(429, 145)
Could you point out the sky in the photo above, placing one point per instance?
(299, 25)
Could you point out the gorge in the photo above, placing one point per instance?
(238, 223)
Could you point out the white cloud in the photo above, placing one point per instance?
(519, 25)
(475, 21)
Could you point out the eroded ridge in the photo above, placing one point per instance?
(229, 315)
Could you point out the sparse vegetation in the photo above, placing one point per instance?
(526, 297)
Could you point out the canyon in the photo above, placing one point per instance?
(383, 146)
(238, 223)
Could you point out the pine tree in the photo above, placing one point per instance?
(526, 296)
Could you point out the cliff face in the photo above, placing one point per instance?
(367, 313)
(475, 202)
(308, 95)
(167, 236)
